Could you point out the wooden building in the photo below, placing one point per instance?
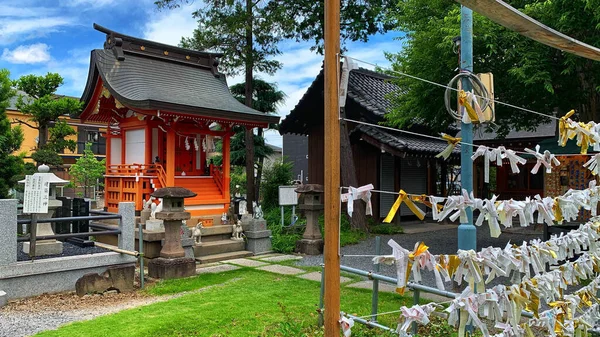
(164, 107)
(389, 160)
(503, 182)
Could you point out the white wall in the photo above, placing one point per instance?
(135, 151)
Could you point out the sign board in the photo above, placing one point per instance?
(37, 193)
(288, 196)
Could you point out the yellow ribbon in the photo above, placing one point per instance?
(557, 211)
(452, 141)
(423, 199)
(585, 139)
(462, 100)
(563, 128)
(403, 197)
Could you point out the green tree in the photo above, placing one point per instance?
(248, 33)
(11, 166)
(44, 107)
(266, 98)
(87, 169)
(526, 73)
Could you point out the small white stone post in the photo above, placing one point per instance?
(127, 226)
(8, 231)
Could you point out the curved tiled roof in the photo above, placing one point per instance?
(140, 77)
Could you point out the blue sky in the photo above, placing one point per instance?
(57, 36)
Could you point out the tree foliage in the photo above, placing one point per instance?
(526, 73)
(278, 174)
(304, 20)
(44, 107)
(222, 28)
(11, 166)
(87, 169)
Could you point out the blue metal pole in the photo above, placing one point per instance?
(467, 238)
(375, 294)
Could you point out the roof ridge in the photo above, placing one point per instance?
(121, 43)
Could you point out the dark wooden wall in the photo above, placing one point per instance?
(316, 155)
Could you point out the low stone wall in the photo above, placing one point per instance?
(24, 279)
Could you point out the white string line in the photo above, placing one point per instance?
(444, 140)
(389, 192)
(451, 88)
(439, 305)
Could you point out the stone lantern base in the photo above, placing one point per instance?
(310, 247)
(45, 247)
(173, 268)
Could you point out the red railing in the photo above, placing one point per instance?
(217, 173)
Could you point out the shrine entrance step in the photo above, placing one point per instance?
(223, 256)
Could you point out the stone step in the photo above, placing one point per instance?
(216, 237)
(217, 230)
(223, 256)
(218, 247)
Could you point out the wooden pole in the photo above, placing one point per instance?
(332, 169)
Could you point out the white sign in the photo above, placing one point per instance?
(288, 196)
(37, 193)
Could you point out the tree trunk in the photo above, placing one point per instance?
(259, 169)
(42, 136)
(359, 218)
(248, 101)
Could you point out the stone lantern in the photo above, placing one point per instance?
(312, 241)
(52, 246)
(172, 262)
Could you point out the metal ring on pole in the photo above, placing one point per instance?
(483, 96)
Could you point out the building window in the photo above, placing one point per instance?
(95, 138)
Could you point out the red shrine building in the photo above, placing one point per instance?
(164, 109)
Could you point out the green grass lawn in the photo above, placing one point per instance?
(244, 302)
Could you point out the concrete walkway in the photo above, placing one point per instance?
(272, 263)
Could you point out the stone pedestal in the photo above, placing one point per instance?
(154, 225)
(46, 247)
(312, 241)
(172, 268)
(310, 247)
(257, 235)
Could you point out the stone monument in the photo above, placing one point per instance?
(312, 241)
(172, 262)
(47, 247)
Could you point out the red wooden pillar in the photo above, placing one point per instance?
(170, 167)
(226, 165)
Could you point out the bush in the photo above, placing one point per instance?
(237, 178)
(278, 174)
(386, 229)
(282, 241)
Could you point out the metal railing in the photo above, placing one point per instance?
(416, 288)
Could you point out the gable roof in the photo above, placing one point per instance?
(402, 142)
(367, 89)
(543, 130)
(147, 75)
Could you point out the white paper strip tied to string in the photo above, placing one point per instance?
(361, 193)
(346, 324)
(547, 159)
(484, 151)
(464, 310)
(593, 164)
(416, 313)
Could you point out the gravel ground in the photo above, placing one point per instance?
(68, 250)
(439, 241)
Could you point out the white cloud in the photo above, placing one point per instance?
(12, 30)
(169, 26)
(33, 53)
